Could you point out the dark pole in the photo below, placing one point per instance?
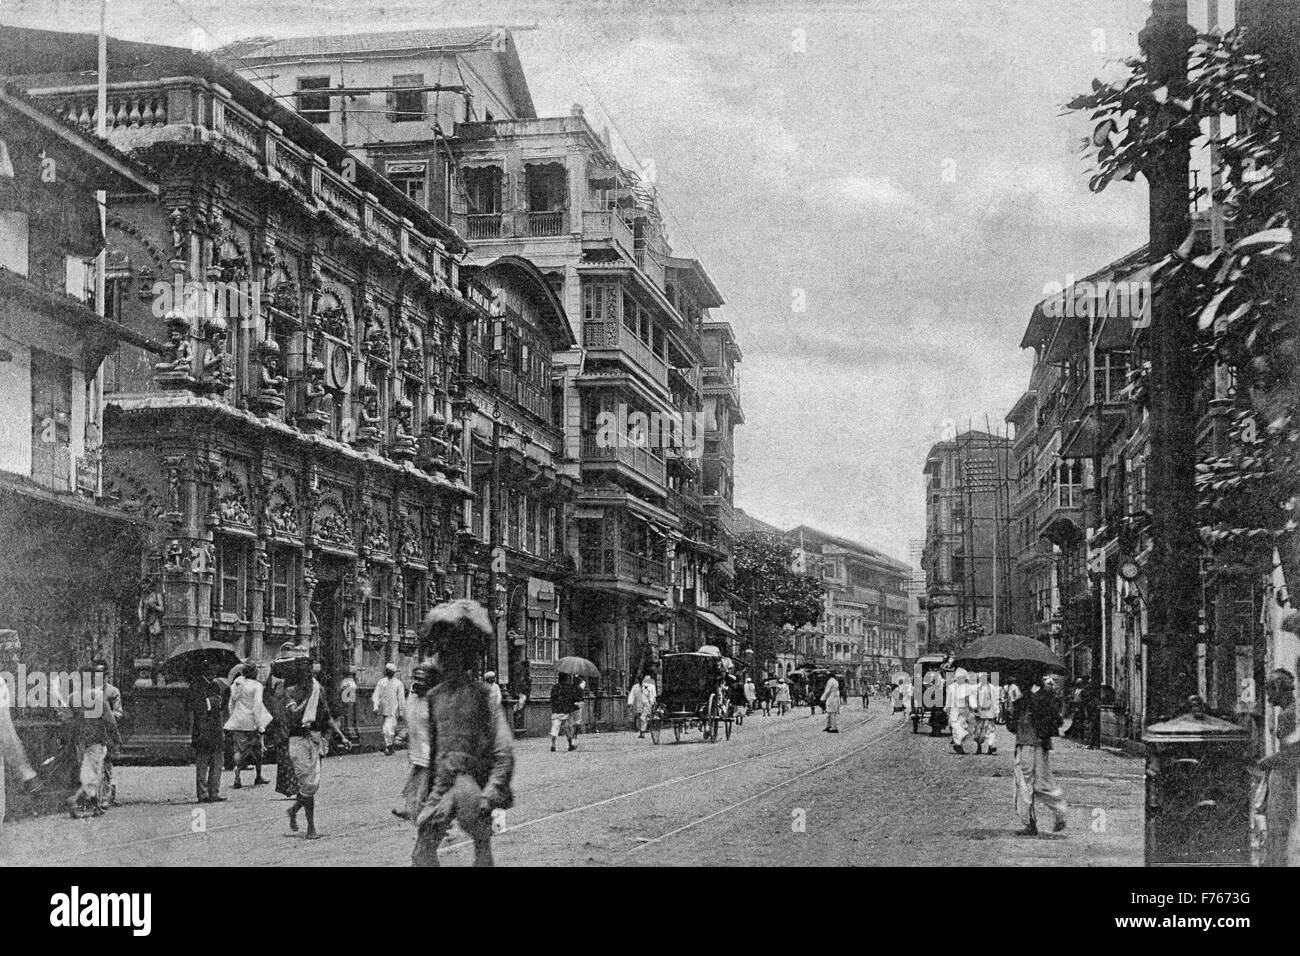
(1171, 671)
(494, 542)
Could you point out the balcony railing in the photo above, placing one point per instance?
(140, 111)
(546, 223)
(523, 393)
(598, 224)
(628, 565)
(600, 335)
(642, 355)
(641, 460)
(483, 225)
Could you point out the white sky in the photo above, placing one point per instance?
(821, 170)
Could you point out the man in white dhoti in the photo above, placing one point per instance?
(388, 701)
(831, 700)
(957, 704)
(11, 752)
(985, 704)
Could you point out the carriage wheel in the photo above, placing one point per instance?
(654, 729)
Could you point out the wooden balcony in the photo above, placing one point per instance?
(480, 226)
(642, 461)
(606, 225)
(543, 224)
(596, 336)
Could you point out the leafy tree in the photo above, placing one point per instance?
(1244, 296)
(775, 594)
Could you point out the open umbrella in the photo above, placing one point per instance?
(1007, 651)
(182, 661)
(577, 665)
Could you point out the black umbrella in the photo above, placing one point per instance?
(1007, 652)
(578, 666)
(190, 655)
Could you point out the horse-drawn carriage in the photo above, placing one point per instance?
(929, 688)
(692, 693)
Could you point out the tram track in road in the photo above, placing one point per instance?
(260, 818)
(762, 793)
(676, 781)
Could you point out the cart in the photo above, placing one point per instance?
(928, 691)
(692, 694)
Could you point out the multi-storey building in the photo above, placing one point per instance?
(294, 452)
(639, 437)
(966, 544)
(865, 627)
(67, 585)
(1066, 451)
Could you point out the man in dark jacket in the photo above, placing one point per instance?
(206, 702)
(565, 698)
(471, 758)
(1038, 720)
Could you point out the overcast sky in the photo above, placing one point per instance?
(900, 163)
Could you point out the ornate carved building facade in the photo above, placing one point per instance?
(294, 453)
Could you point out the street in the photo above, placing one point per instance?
(779, 792)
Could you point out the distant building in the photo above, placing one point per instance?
(966, 559)
(865, 627)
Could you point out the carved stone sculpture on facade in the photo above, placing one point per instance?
(176, 369)
(375, 340)
(404, 446)
(270, 394)
(411, 357)
(176, 222)
(455, 467)
(218, 370)
(370, 426)
(313, 417)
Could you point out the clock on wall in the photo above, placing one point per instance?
(340, 369)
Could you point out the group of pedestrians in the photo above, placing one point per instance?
(973, 711)
(294, 720)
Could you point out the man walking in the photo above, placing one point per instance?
(984, 719)
(348, 702)
(472, 759)
(1036, 719)
(307, 719)
(957, 704)
(206, 701)
(563, 703)
(97, 734)
(831, 704)
(387, 700)
(113, 701)
(248, 720)
(423, 678)
(12, 753)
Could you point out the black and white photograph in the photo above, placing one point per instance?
(662, 434)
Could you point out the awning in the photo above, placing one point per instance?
(711, 619)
